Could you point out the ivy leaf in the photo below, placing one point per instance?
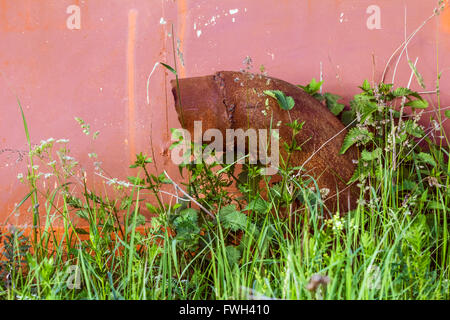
(417, 104)
(232, 218)
(356, 135)
(285, 102)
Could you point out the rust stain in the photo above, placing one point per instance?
(163, 55)
(182, 14)
(132, 18)
(3, 17)
(445, 20)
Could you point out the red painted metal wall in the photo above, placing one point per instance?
(92, 59)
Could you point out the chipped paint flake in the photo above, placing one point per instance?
(199, 33)
(233, 11)
(162, 21)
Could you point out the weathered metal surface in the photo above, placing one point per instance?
(92, 59)
(236, 100)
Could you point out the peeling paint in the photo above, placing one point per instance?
(131, 66)
(445, 20)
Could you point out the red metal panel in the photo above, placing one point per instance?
(97, 67)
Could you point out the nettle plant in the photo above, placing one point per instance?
(392, 144)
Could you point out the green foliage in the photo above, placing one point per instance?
(285, 102)
(356, 136)
(447, 113)
(14, 252)
(155, 239)
(186, 226)
(426, 158)
(233, 255)
(313, 88)
(332, 103)
(419, 104)
(331, 100)
(232, 219)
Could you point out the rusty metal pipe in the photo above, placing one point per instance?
(233, 100)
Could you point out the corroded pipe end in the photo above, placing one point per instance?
(233, 100)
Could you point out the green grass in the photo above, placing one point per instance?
(393, 246)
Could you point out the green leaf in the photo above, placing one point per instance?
(405, 92)
(290, 103)
(169, 68)
(336, 108)
(417, 74)
(136, 181)
(259, 205)
(140, 220)
(313, 87)
(413, 129)
(285, 102)
(364, 105)
(370, 156)
(366, 86)
(447, 113)
(356, 135)
(427, 158)
(436, 205)
(332, 103)
(348, 117)
(385, 88)
(407, 185)
(186, 224)
(233, 255)
(417, 104)
(81, 231)
(151, 208)
(232, 218)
